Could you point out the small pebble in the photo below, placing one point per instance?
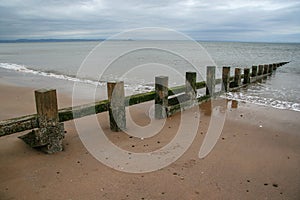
(266, 184)
(158, 142)
(248, 181)
(275, 185)
(174, 173)
(132, 146)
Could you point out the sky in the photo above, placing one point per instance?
(216, 20)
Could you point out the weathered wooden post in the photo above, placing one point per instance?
(266, 69)
(270, 68)
(190, 84)
(49, 136)
(225, 79)
(254, 71)
(210, 80)
(116, 106)
(237, 77)
(274, 66)
(161, 97)
(234, 104)
(246, 76)
(260, 70)
(277, 65)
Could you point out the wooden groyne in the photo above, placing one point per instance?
(168, 101)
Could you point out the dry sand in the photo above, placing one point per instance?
(256, 157)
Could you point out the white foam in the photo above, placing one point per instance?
(139, 88)
(23, 69)
(271, 102)
(135, 88)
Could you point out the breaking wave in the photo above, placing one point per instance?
(137, 88)
(23, 69)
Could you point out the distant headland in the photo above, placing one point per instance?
(50, 40)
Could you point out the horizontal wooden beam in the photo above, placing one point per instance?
(29, 122)
(18, 124)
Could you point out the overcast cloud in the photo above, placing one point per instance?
(238, 20)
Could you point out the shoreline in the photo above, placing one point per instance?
(257, 156)
(282, 97)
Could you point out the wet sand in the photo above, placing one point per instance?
(256, 157)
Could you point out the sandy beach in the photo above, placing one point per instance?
(256, 157)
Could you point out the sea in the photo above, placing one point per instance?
(86, 65)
